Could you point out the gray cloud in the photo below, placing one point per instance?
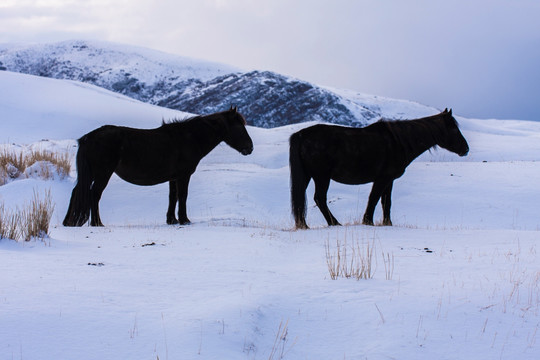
(479, 57)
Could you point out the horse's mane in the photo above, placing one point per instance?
(181, 120)
(432, 129)
(189, 119)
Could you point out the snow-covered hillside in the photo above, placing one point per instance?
(55, 109)
(464, 251)
(106, 63)
(266, 98)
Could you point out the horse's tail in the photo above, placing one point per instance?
(79, 205)
(299, 181)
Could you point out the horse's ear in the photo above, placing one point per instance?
(450, 112)
(445, 110)
(235, 109)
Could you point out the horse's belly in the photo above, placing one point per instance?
(140, 177)
(357, 169)
(350, 179)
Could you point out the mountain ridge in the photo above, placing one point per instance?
(266, 98)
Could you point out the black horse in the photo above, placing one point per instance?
(377, 153)
(148, 157)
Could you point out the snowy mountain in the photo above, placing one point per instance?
(267, 99)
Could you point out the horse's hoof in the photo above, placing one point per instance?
(184, 222)
(302, 226)
(387, 222)
(172, 221)
(367, 222)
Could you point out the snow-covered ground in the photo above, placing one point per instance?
(465, 281)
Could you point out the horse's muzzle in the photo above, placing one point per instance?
(246, 151)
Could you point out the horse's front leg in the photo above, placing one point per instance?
(173, 199)
(376, 192)
(182, 192)
(386, 201)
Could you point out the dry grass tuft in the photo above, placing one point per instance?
(32, 222)
(9, 224)
(13, 164)
(36, 218)
(350, 261)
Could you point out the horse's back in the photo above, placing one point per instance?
(347, 155)
(123, 138)
(319, 147)
(321, 137)
(101, 143)
(104, 136)
(332, 141)
(139, 156)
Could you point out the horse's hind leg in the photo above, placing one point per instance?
(321, 188)
(173, 199)
(78, 211)
(298, 202)
(99, 184)
(386, 201)
(182, 192)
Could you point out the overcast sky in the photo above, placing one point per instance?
(480, 57)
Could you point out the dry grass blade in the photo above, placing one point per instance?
(280, 349)
(333, 260)
(388, 265)
(3, 176)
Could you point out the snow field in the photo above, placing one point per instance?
(221, 292)
(465, 283)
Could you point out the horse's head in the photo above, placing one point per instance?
(453, 139)
(236, 135)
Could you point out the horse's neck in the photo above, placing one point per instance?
(421, 139)
(208, 134)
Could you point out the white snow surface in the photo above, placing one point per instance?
(465, 281)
